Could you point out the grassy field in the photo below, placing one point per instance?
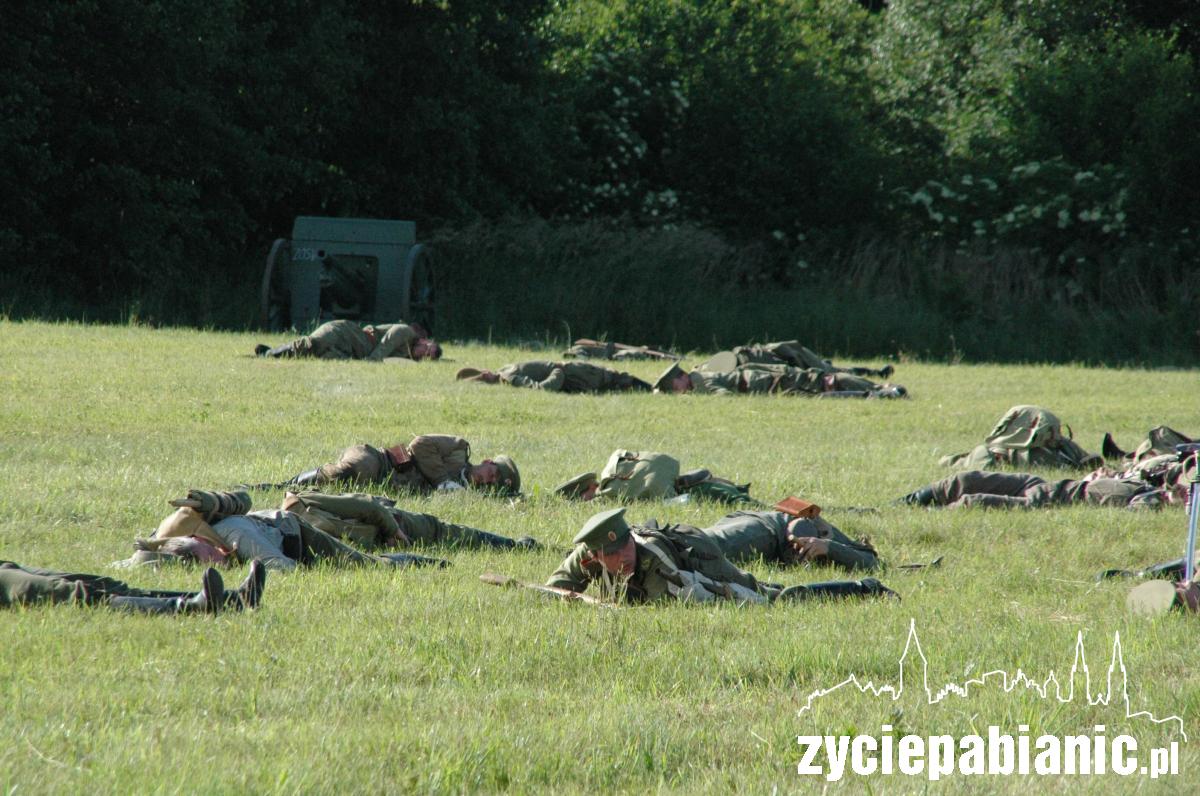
(378, 681)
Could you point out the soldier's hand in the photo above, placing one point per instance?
(810, 548)
(398, 539)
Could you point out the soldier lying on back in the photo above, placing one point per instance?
(348, 340)
(308, 528)
(649, 563)
(20, 585)
(570, 377)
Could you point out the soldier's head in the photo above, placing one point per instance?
(426, 348)
(500, 474)
(180, 550)
(673, 379)
(609, 543)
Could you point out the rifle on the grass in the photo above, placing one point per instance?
(549, 591)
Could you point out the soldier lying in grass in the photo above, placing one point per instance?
(569, 377)
(790, 352)
(595, 349)
(722, 376)
(428, 463)
(307, 529)
(21, 585)
(348, 340)
(1028, 491)
(648, 563)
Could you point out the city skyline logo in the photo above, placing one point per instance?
(1116, 681)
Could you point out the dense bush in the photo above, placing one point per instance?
(149, 152)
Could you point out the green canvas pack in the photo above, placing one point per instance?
(1027, 436)
(635, 475)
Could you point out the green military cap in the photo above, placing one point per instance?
(664, 381)
(723, 362)
(510, 476)
(606, 531)
(577, 485)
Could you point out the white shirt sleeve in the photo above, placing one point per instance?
(255, 539)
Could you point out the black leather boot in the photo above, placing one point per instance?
(208, 600)
(1109, 449)
(302, 479)
(922, 497)
(249, 593)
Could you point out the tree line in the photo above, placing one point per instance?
(151, 150)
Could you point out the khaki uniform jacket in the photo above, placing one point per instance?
(1024, 490)
(347, 340)
(776, 379)
(788, 352)
(663, 558)
(570, 377)
(436, 459)
(359, 518)
(745, 536)
(371, 520)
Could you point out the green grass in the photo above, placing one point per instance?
(431, 681)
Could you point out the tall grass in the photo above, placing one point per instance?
(688, 288)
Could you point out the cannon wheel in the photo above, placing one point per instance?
(272, 303)
(418, 275)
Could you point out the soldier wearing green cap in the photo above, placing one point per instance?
(649, 563)
(429, 462)
(348, 340)
(570, 377)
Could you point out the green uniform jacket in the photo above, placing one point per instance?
(598, 350)
(571, 377)
(776, 379)
(662, 555)
(347, 340)
(634, 475)
(1024, 490)
(788, 352)
(745, 536)
(436, 459)
(372, 520)
(20, 585)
